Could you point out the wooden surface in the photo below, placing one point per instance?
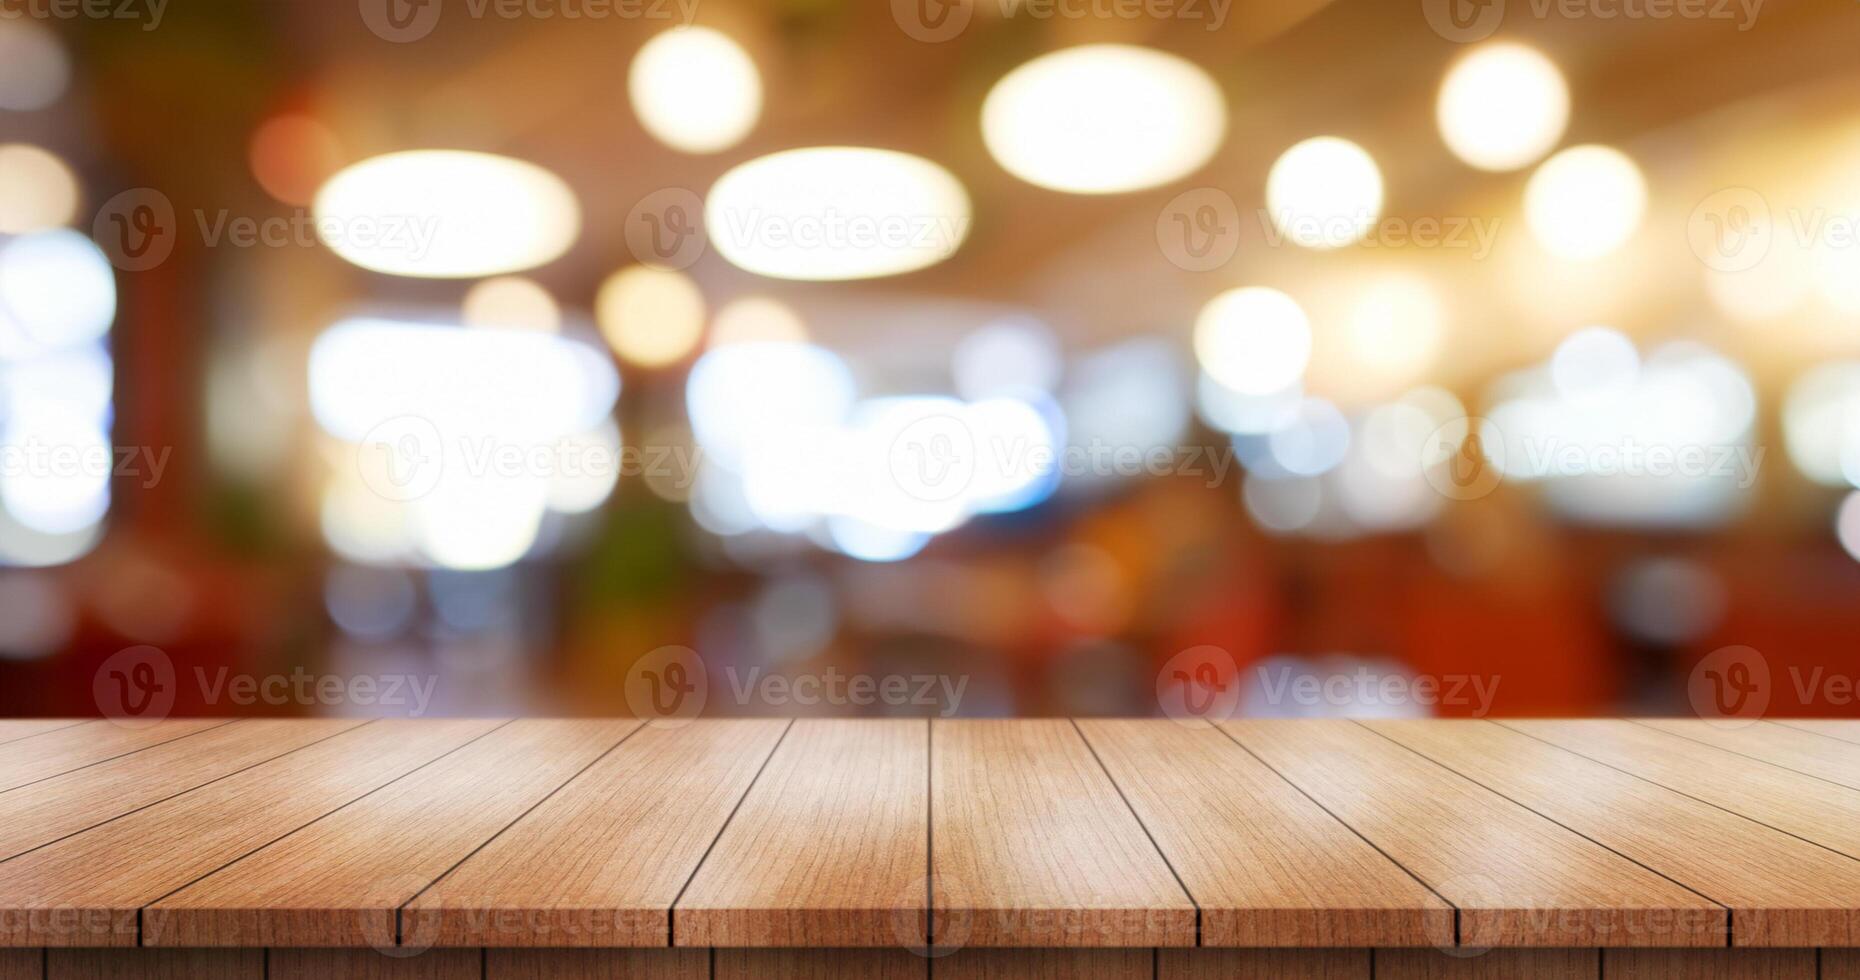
(601, 862)
(1781, 890)
(847, 804)
(1031, 845)
(770, 848)
(1517, 878)
(1265, 864)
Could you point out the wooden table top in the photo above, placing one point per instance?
(895, 833)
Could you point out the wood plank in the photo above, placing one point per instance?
(1046, 964)
(1263, 964)
(35, 815)
(1782, 891)
(1492, 964)
(155, 964)
(1032, 846)
(1804, 752)
(597, 964)
(368, 964)
(1809, 808)
(14, 729)
(601, 861)
(1702, 964)
(1266, 866)
(830, 848)
(1845, 729)
(22, 964)
(29, 760)
(1840, 964)
(819, 964)
(86, 890)
(341, 880)
(1517, 878)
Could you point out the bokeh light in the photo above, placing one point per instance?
(446, 214)
(56, 289)
(37, 190)
(511, 303)
(756, 319)
(1103, 118)
(1585, 202)
(34, 71)
(1254, 340)
(695, 89)
(836, 212)
(1325, 192)
(1395, 330)
(1502, 106)
(292, 155)
(650, 316)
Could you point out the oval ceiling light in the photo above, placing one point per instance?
(1502, 106)
(836, 212)
(695, 90)
(1104, 118)
(446, 214)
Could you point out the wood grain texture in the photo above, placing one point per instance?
(29, 760)
(1032, 845)
(1809, 808)
(22, 964)
(1840, 964)
(601, 861)
(597, 964)
(1701, 964)
(1266, 866)
(830, 848)
(1804, 752)
(155, 964)
(1845, 729)
(342, 880)
(1262, 964)
(35, 815)
(1517, 878)
(14, 729)
(1495, 964)
(86, 890)
(1782, 891)
(1046, 964)
(368, 964)
(819, 964)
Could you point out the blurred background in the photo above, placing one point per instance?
(1054, 350)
